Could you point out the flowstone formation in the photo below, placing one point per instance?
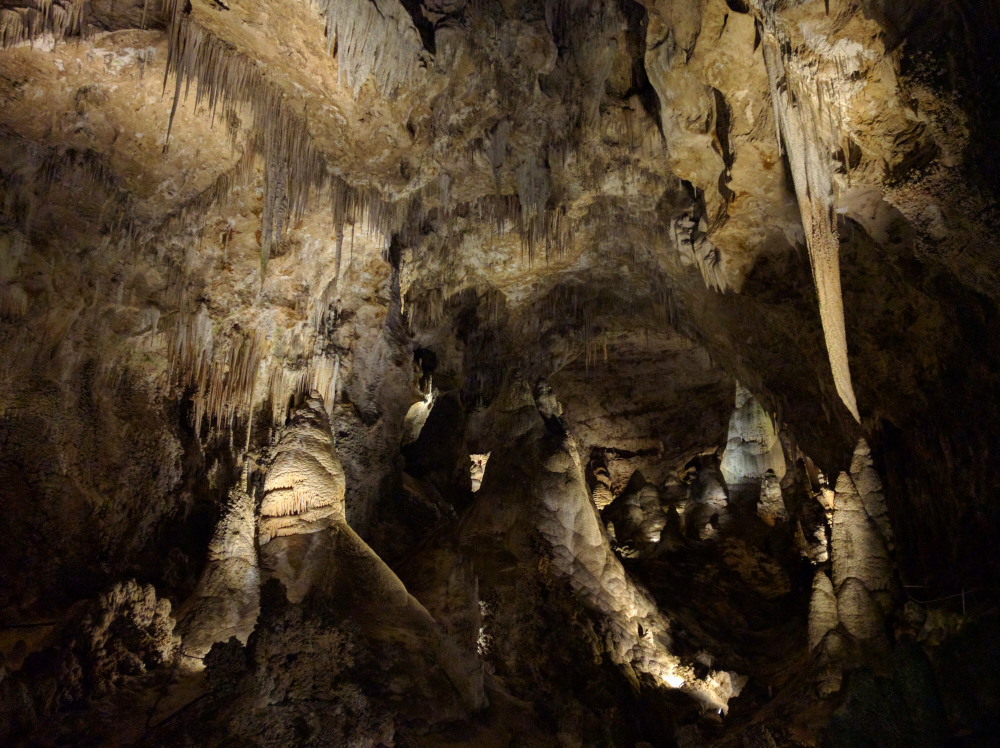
(367, 373)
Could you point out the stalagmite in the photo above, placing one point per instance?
(822, 610)
(639, 632)
(855, 604)
(869, 487)
(307, 545)
(857, 547)
(304, 488)
(602, 494)
(636, 513)
(772, 506)
(753, 447)
(227, 599)
(707, 510)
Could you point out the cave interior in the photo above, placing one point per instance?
(494, 373)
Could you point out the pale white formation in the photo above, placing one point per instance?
(373, 39)
(416, 417)
(753, 446)
(478, 469)
(226, 601)
(694, 248)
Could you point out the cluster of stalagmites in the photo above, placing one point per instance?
(323, 582)
(850, 606)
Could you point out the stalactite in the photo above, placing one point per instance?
(37, 17)
(798, 116)
(693, 246)
(275, 204)
(496, 149)
(225, 78)
(533, 189)
(372, 38)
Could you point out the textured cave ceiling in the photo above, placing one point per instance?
(709, 286)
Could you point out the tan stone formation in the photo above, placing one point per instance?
(227, 599)
(771, 508)
(581, 552)
(853, 606)
(809, 112)
(307, 545)
(210, 208)
(707, 509)
(602, 494)
(304, 487)
(857, 548)
(636, 513)
(869, 487)
(823, 616)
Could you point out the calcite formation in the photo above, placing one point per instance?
(753, 447)
(851, 605)
(344, 327)
(226, 601)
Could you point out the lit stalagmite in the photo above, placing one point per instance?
(307, 545)
(227, 599)
(638, 632)
(637, 515)
(753, 447)
(847, 612)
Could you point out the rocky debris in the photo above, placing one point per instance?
(126, 632)
(111, 643)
